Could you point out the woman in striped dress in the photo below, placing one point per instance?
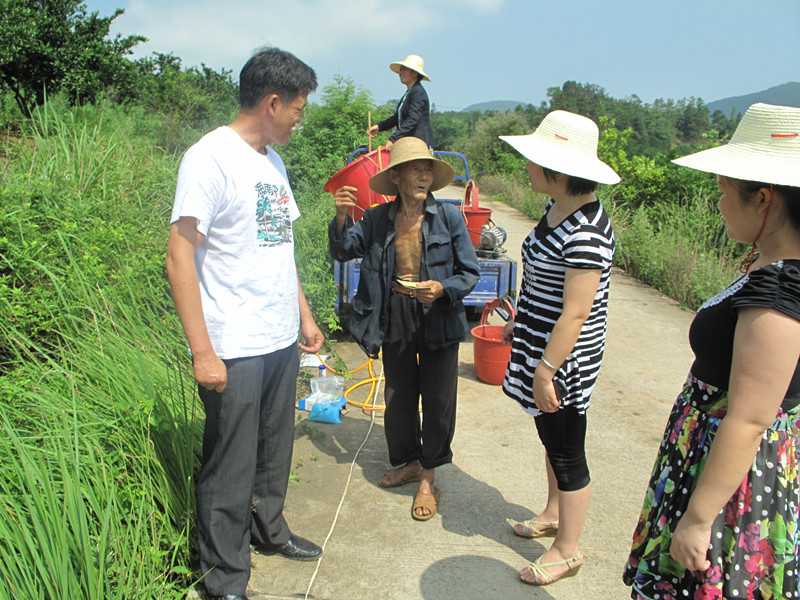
(559, 332)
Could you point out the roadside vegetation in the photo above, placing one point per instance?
(100, 423)
(668, 230)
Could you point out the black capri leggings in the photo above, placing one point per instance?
(563, 434)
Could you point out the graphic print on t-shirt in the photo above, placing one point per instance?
(272, 215)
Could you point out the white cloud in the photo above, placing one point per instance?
(223, 34)
(481, 5)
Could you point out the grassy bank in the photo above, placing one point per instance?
(100, 425)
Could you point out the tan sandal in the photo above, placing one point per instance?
(409, 477)
(533, 528)
(428, 501)
(544, 577)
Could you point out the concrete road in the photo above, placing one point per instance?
(467, 552)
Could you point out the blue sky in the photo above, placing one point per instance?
(478, 50)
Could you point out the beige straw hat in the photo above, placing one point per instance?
(405, 150)
(567, 143)
(413, 62)
(765, 147)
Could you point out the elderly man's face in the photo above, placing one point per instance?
(414, 179)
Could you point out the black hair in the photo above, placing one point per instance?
(790, 195)
(274, 71)
(576, 186)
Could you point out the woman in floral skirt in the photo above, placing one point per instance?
(720, 516)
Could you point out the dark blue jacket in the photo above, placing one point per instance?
(412, 117)
(447, 257)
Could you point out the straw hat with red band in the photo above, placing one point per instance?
(765, 147)
(567, 143)
(405, 150)
(413, 62)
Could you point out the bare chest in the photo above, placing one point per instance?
(408, 247)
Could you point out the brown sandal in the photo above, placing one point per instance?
(533, 528)
(427, 501)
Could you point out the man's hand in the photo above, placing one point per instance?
(372, 130)
(388, 145)
(311, 337)
(690, 543)
(508, 331)
(428, 291)
(544, 393)
(345, 198)
(210, 372)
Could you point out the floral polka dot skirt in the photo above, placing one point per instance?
(755, 543)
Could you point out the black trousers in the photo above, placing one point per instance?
(413, 370)
(563, 434)
(247, 456)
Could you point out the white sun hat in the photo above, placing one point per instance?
(413, 62)
(765, 147)
(567, 143)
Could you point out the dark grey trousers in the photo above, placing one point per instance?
(247, 456)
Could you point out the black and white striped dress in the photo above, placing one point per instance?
(584, 240)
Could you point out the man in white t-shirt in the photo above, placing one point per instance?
(230, 263)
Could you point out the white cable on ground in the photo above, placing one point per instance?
(346, 485)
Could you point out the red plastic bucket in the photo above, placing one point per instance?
(476, 219)
(358, 174)
(491, 354)
(475, 216)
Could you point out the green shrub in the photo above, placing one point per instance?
(488, 153)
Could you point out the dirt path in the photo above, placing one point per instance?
(468, 552)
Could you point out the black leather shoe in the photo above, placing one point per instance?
(296, 548)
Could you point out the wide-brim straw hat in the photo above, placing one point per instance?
(413, 62)
(567, 143)
(765, 147)
(405, 150)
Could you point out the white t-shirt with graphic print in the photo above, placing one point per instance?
(245, 209)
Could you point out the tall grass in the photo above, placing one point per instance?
(514, 193)
(99, 426)
(679, 248)
(99, 435)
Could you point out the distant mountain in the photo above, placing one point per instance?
(787, 94)
(494, 105)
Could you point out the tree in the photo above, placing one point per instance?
(491, 155)
(693, 121)
(55, 45)
(451, 129)
(585, 99)
(331, 130)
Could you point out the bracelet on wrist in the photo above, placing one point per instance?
(548, 364)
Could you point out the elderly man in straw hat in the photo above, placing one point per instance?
(559, 331)
(418, 264)
(412, 117)
(720, 516)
